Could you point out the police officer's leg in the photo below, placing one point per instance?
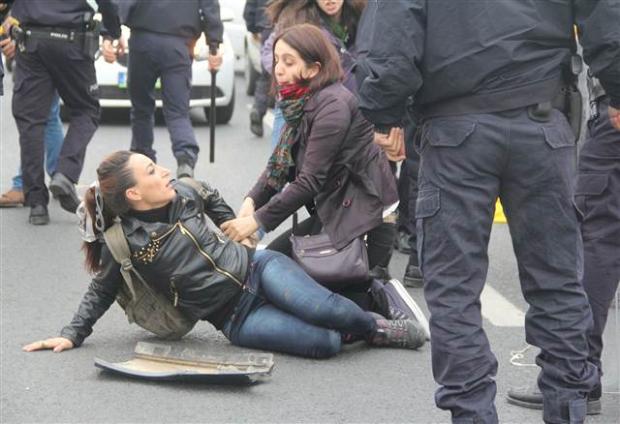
(74, 77)
(458, 184)
(598, 197)
(142, 74)
(537, 197)
(33, 91)
(176, 82)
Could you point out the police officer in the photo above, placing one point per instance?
(484, 75)
(163, 36)
(56, 46)
(597, 196)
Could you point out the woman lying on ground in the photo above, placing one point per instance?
(258, 299)
(326, 155)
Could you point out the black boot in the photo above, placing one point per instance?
(39, 215)
(256, 123)
(531, 397)
(63, 189)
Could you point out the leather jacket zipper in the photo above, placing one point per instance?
(187, 233)
(175, 294)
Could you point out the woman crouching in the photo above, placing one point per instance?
(258, 299)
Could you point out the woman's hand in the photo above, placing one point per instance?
(393, 143)
(57, 343)
(240, 228)
(247, 208)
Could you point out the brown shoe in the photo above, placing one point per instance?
(11, 199)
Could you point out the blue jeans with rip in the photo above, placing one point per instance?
(294, 314)
(53, 140)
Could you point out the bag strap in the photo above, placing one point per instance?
(118, 246)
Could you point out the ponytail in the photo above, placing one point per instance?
(103, 202)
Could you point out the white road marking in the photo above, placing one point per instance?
(498, 310)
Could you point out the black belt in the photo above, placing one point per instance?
(54, 33)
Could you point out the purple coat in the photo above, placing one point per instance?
(337, 166)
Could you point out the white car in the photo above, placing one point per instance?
(112, 79)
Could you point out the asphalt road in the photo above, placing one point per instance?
(42, 281)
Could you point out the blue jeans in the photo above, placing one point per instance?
(292, 313)
(53, 139)
(278, 124)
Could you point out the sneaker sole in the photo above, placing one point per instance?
(67, 201)
(417, 311)
(594, 407)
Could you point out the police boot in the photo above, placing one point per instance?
(184, 169)
(39, 215)
(63, 189)
(256, 123)
(531, 397)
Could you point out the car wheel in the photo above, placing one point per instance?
(250, 74)
(223, 114)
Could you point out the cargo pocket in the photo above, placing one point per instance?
(559, 136)
(447, 132)
(587, 192)
(427, 206)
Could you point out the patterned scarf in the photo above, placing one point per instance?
(291, 100)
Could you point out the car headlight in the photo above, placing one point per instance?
(201, 50)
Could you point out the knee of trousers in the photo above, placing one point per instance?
(327, 345)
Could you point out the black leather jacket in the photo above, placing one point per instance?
(199, 269)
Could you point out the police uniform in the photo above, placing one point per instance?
(163, 34)
(55, 54)
(597, 196)
(483, 74)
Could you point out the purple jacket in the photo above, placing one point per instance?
(337, 166)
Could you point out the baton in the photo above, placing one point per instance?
(212, 111)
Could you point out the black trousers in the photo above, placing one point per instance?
(597, 195)
(45, 67)
(163, 56)
(468, 161)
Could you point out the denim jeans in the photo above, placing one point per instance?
(278, 124)
(53, 139)
(292, 313)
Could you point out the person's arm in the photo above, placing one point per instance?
(215, 206)
(96, 301)
(249, 16)
(599, 34)
(389, 73)
(213, 27)
(111, 28)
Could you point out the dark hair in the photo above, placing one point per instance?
(313, 47)
(286, 13)
(114, 177)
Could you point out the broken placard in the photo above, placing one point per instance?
(153, 361)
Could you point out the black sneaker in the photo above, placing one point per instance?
(39, 215)
(403, 306)
(256, 123)
(63, 189)
(401, 333)
(413, 277)
(531, 397)
(401, 242)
